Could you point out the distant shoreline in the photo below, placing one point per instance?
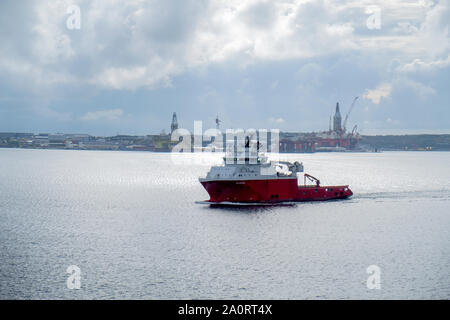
(162, 143)
(164, 152)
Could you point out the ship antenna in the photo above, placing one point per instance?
(218, 121)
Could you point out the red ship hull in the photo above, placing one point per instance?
(270, 191)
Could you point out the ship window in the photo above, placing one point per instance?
(331, 189)
(276, 196)
(326, 189)
(315, 190)
(342, 193)
(304, 192)
(335, 193)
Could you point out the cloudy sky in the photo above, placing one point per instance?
(125, 66)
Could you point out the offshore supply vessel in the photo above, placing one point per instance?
(251, 179)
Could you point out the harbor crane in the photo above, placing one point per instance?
(348, 113)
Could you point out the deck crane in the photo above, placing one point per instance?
(348, 113)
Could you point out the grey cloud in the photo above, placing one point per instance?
(147, 53)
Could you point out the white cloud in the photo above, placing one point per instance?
(133, 44)
(375, 95)
(111, 114)
(134, 77)
(420, 65)
(276, 120)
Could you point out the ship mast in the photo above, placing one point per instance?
(218, 121)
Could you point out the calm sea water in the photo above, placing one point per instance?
(129, 222)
